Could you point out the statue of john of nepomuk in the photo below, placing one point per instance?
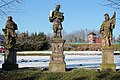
(106, 29)
(9, 33)
(56, 18)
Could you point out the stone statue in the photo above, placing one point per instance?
(9, 33)
(57, 18)
(10, 45)
(106, 29)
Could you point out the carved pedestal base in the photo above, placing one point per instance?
(10, 60)
(108, 59)
(57, 67)
(105, 67)
(57, 63)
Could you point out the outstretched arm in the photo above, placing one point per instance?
(113, 20)
(114, 15)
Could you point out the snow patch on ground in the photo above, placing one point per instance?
(72, 61)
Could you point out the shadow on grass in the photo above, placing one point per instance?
(103, 75)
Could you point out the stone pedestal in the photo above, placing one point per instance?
(57, 63)
(10, 60)
(9, 66)
(108, 59)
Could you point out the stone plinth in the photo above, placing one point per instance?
(57, 63)
(108, 59)
(10, 60)
(9, 66)
(57, 66)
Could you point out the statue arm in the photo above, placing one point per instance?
(114, 15)
(51, 18)
(61, 17)
(113, 20)
(102, 28)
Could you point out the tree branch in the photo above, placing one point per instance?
(7, 6)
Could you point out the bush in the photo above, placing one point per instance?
(33, 42)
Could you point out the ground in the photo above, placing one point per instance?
(75, 74)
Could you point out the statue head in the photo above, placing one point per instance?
(57, 7)
(9, 18)
(106, 16)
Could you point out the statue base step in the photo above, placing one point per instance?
(57, 66)
(108, 67)
(9, 66)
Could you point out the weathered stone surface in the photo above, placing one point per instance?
(10, 45)
(10, 34)
(106, 29)
(10, 56)
(56, 17)
(57, 63)
(10, 60)
(108, 58)
(105, 67)
(57, 66)
(9, 66)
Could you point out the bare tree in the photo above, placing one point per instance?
(118, 39)
(113, 4)
(8, 6)
(76, 36)
(80, 35)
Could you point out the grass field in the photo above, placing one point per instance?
(76, 74)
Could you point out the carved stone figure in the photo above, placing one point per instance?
(106, 29)
(56, 18)
(57, 63)
(9, 33)
(10, 45)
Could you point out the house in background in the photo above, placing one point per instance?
(93, 38)
(98, 40)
